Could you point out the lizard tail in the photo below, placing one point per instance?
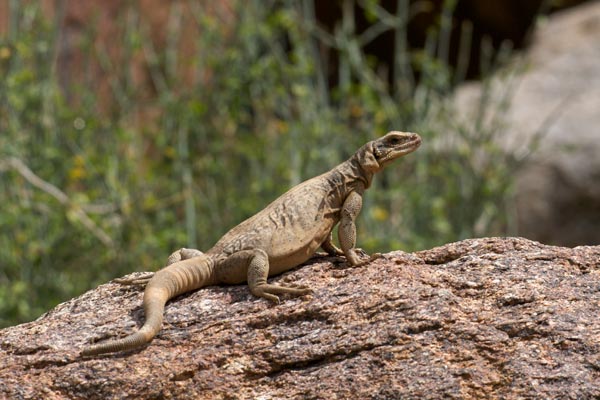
(167, 283)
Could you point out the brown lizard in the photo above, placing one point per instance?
(280, 237)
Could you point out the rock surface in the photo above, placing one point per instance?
(482, 318)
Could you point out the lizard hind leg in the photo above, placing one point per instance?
(258, 271)
(330, 248)
(183, 254)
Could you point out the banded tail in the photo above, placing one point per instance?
(175, 279)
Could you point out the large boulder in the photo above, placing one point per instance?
(482, 318)
(558, 98)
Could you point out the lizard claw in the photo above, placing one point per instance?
(275, 299)
(361, 252)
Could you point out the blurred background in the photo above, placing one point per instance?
(131, 128)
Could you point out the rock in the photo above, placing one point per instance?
(557, 96)
(481, 318)
(559, 191)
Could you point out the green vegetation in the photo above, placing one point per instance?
(89, 192)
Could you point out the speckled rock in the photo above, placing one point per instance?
(482, 318)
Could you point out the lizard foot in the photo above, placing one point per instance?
(270, 292)
(368, 260)
(138, 280)
(333, 253)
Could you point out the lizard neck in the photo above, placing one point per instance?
(354, 175)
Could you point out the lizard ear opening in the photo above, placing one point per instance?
(366, 158)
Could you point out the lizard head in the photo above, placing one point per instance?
(375, 155)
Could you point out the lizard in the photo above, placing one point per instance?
(282, 236)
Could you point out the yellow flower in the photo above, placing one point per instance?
(76, 173)
(379, 214)
(170, 152)
(4, 53)
(78, 170)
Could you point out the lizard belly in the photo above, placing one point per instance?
(279, 265)
(289, 251)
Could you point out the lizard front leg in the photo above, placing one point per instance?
(347, 230)
(176, 256)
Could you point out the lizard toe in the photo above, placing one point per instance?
(270, 291)
(371, 258)
(138, 280)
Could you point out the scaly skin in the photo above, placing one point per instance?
(283, 235)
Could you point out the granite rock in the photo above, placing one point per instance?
(482, 318)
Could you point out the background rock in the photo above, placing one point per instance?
(482, 318)
(557, 96)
